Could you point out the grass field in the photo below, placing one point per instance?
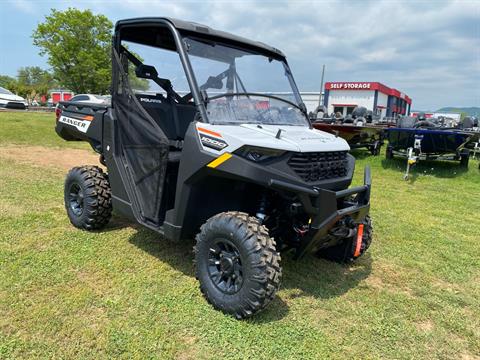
(127, 293)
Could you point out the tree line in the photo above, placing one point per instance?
(31, 82)
(77, 44)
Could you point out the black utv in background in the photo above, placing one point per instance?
(213, 141)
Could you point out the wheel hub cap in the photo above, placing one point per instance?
(76, 199)
(225, 266)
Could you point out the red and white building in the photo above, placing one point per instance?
(343, 97)
(57, 95)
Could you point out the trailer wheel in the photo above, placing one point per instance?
(344, 252)
(389, 153)
(237, 264)
(464, 157)
(375, 148)
(87, 197)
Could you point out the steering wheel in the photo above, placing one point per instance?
(263, 113)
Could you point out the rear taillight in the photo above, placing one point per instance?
(58, 112)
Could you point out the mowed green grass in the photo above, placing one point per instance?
(127, 293)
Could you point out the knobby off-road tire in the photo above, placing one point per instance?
(88, 198)
(237, 264)
(344, 251)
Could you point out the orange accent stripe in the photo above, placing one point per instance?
(88, 117)
(214, 133)
(358, 245)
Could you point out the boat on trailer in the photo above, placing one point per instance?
(419, 139)
(359, 130)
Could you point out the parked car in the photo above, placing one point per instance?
(11, 101)
(91, 98)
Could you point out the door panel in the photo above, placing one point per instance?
(142, 148)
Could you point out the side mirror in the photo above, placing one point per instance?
(146, 72)
(214, 83)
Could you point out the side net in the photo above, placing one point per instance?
(143, 144)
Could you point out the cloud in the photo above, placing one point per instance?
(427, 49)
(24, 6)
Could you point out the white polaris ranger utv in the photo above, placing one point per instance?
(214, 140)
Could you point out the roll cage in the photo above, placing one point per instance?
(169, 34)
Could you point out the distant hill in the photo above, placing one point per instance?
(474, 110)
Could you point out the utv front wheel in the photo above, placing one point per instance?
(347, 251)
(88, 197)
(237, 264)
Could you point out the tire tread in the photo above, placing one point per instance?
(269, 263)
(98, 197)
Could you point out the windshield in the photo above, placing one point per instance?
(5, 91)
(251, 108)
(244, 87)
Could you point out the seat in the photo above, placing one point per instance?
(161, 110)
(186, 114)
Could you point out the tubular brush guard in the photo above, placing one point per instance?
(327, 207)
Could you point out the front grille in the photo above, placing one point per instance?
(317, 166)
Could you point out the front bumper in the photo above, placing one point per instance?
(327, 207)
(13, 105)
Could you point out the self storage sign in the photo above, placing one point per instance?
(351, 86)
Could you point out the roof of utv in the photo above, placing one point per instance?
(202, 31)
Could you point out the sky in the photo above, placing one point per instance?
(429, 50)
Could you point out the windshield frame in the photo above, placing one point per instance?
(253, 51)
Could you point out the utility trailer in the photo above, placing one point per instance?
(226, 162)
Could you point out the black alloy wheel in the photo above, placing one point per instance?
(225, 266)
(76, 198)
(88, 198)
(237, 264)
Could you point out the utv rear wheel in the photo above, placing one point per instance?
(88, 197)
(345, 251)
(237, 264)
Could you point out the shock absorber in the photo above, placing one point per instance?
(262, 207)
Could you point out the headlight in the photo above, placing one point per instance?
(258, 154)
